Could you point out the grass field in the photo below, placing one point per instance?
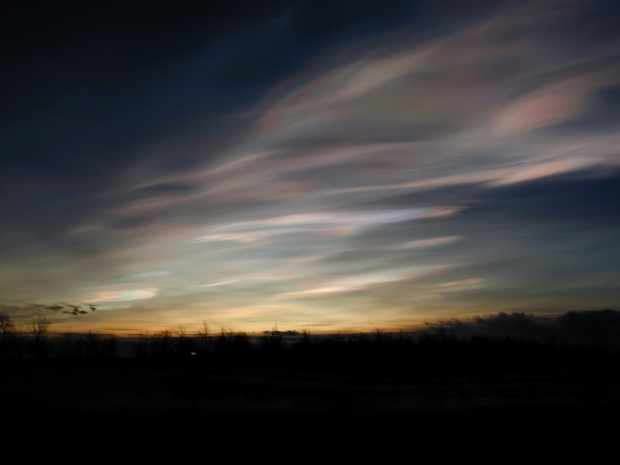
(159, 415)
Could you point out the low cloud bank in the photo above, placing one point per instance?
(583, 326)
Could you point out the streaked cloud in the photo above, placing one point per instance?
(431, 242)
(325, 223)
(437, 161)
(125, 295)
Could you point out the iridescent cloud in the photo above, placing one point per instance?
(451, 162)
(326, 223)
(125, 295)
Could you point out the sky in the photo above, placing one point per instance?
(308, 165)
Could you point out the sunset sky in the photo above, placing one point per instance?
(330, 166)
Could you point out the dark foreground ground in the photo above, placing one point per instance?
(149, 415)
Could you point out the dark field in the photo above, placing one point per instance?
(148, 415)
(556, 405)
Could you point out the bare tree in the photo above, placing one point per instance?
(6, 324)
(8, 334)
(38, 330)
(162, 343)
(202, 337)
(184, 345)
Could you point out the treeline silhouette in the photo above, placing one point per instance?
(379, 356)
(178, 388)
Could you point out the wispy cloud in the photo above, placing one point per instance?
(362, 281)
(272, 162)
(325, 223)
(124, 295)
(430, 242)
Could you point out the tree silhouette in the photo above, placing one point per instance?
(8, 335)
(38, 330)
(202, 338)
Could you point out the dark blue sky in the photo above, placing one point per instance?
(325, 165)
